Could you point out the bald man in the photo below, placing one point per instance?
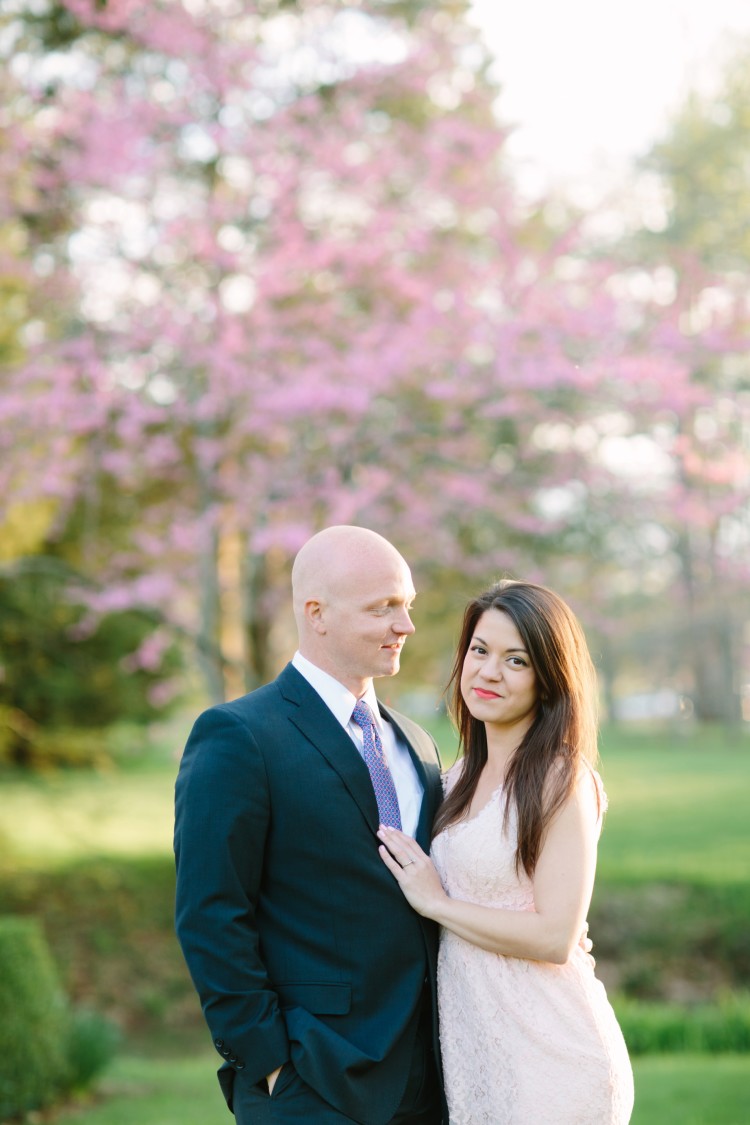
(316, 978)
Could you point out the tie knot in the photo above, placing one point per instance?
(362, 714)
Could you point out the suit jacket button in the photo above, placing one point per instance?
(233, 1058)
(219, 1043)
(240, 1066)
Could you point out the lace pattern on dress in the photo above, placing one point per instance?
(523, 1042)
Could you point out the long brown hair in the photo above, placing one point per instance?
(543, 769)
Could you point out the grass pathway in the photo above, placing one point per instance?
(691, 1090)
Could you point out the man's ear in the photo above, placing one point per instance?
(314, 615)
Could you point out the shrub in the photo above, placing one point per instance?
(92, 1042)
(46, 1049)
(65, 677)
(34, 1020)
(24, 743)
(672, 1028)
(110, 925)
(701, 932)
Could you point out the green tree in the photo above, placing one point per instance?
(698, 251)
(703, 164)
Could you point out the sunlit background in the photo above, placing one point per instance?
(591, 87)
(472, 274)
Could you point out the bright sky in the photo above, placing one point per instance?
(590, 83)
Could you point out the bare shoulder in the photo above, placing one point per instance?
(451, 775)
(586, 794)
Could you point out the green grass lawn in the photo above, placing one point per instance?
(692, 1090)
(48, 820)
(153, 1091)
(686, 1090)
(51, 818)
(678, 812)
(678, 809)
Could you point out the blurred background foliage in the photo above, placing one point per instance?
(271, 270)
(265, 268)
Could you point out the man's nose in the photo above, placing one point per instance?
(404, 626)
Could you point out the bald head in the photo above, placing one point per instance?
(352, 594)
(336, 557)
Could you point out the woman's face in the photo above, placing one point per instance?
(498, 682)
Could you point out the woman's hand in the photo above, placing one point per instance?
(413, 870)
(563, 881)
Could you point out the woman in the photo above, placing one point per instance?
(527, 1034)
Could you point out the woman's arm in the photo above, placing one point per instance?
(563, 884)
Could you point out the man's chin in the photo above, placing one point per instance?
(395, 664)
(389, 667)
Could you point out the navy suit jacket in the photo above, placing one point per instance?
(298, 939)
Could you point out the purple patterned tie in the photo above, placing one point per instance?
(382, 781)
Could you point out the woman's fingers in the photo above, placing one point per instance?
(394, 835)
(402, 847)
(413, 870)
(392, 864)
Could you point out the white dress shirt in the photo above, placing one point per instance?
(339, 700)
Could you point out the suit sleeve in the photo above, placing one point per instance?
(221, 819)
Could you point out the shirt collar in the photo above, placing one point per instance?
(336, 697)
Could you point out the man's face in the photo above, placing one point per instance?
(366, 620)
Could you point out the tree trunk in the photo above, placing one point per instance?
(711, 644)
(209, 649)
(607, 668)
(258, 665)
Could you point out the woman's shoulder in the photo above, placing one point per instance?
(601, 792)
(451, 776)
(587, 785)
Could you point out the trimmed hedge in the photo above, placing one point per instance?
(109, 923)
(46, 1048)
(651, 1029)
(34, 1020)
(110, 926)
(655, 933)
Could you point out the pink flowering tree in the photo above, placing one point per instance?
(299, 288)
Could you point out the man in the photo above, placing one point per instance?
(316, 978)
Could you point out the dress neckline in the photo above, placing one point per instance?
(490, 800)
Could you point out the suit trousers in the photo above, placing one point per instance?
(293, 1100)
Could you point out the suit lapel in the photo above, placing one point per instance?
(315, 721)
(428, 774)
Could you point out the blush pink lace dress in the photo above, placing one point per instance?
(523, 1042)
